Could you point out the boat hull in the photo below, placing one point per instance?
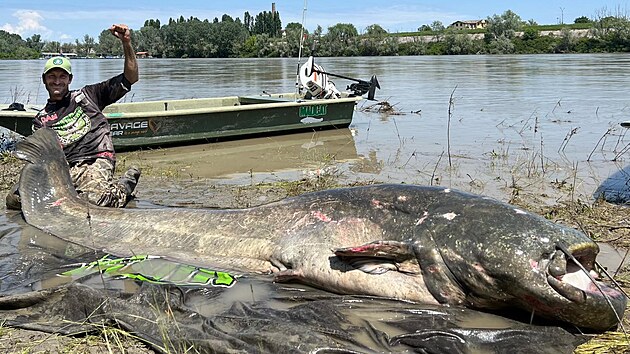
(178, 122)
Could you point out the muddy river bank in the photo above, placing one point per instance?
(170, 182)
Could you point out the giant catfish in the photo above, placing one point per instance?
(425, 244)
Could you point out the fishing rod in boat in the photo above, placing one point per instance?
(297, 77)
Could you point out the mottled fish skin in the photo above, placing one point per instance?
(425, 244)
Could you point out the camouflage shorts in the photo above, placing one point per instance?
(95, 181)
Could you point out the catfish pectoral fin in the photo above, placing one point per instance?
(370, 265)
(382, 249)
(380, 256)
(376, 265)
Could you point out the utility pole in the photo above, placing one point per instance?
(562, 15)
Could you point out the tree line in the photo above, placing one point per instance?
(263, 36)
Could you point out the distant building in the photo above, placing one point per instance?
(48, 55)
(143, 55)
(472, 24)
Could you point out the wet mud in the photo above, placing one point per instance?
(235, 174)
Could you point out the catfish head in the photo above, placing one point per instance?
(498, 255)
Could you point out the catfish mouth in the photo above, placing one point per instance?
(578, 282)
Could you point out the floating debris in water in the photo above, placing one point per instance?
(387, 108)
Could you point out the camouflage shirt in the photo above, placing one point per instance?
(79, 122)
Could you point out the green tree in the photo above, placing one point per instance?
(69, 48)
(196, 37)
(318, 31)
(276, 24)
(249, 49)
(265, 47)
(292, 40)
(267, 22)
(582, 19)
(52, 47)
(183, 38)
(248, 22)
(35, 42)
(413, 47)
(79, 48)
(149, 39)
(295, 27)
(437, 26)
(89, 44)
(375, 31)
(86, 47)
(504, 25)
(614, 32)
(459, 43)
(501, 45)
(340, 40)
(389, 46)
(262, 36)
(152, 23)
(12, 46)
(566, 42)
(228, 37)
(530, 33)
(108, 45)
(377, 41)
(537, 45)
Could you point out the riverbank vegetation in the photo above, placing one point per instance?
(264, 36)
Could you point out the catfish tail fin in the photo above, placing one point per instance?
(40, 147)
(45, 179)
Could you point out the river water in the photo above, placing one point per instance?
(479, 123)
(493, 125)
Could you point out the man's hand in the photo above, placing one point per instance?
(121, 32)
(130, 71)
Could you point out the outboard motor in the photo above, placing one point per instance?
(315, 80)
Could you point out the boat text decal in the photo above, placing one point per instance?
(317, 110)
(129, 128)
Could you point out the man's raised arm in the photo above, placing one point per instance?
(122, 32)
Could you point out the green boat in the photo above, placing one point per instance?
(187, 121)
(318, 105)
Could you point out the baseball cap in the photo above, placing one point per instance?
(58, 62)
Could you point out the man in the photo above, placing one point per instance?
(83, 130)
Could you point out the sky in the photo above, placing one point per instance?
(67, 20)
